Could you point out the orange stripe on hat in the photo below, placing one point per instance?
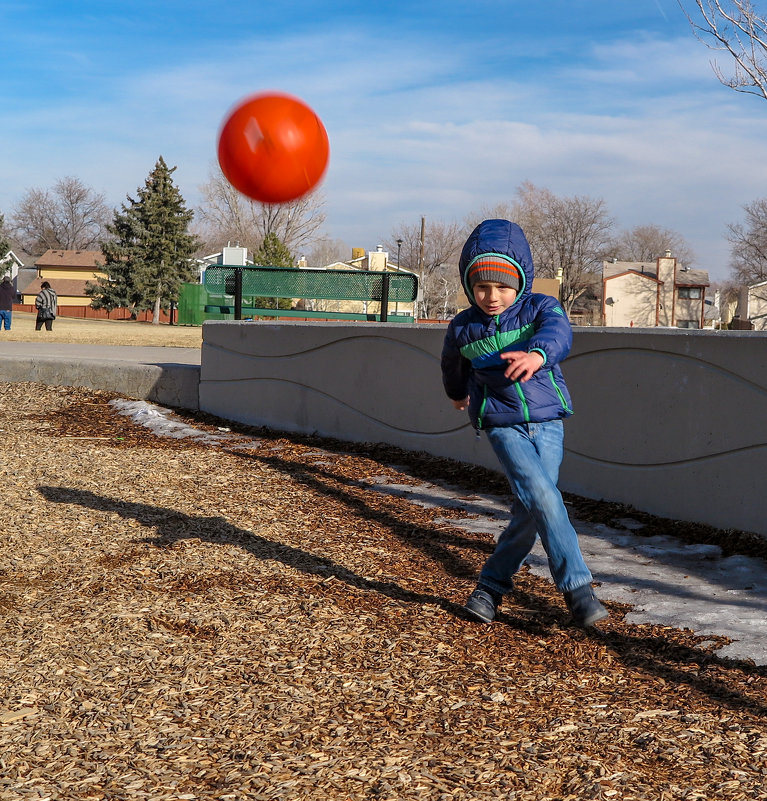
(493, 269)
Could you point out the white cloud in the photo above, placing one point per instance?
(416, 128)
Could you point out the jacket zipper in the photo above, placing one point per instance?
(559, 392)
(481, 412)
(525, 409)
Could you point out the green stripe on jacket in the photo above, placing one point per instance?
(497, 342)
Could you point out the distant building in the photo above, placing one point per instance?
(373, 260)
(11, 263)
(654, 294)
(756, 306)
(68, 272)
(230, 256)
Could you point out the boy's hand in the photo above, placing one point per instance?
(522, 365)
(461, 404)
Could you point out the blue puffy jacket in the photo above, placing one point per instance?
(471, 364)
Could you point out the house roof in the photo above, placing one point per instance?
(683, 277)
(647, 275)
(692, 278)
(71, 258)
(66, 287)
(25, 277)
(13, 256)
(613, 268)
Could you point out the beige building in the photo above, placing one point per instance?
(67, 271)
(374, 260)
(756, 305)
(648, 295)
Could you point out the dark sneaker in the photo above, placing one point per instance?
(482, 605)
(584, 606)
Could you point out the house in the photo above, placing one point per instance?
(11, 263)
(375, 261)
(756, 306)
(650, 295)
(229, 256)
(68, 272)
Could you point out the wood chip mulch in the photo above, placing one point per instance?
(185, 621)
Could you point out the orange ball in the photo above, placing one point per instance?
(273, 148)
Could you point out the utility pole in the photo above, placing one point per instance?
(420, 260)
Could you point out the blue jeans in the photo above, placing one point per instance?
(5, 319)
(530, 454)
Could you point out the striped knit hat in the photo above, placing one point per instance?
(494, 267)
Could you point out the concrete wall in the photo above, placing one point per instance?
(673, 422)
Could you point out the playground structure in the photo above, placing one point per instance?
(241, 293)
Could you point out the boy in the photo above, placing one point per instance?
(501, 360)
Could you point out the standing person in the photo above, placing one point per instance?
(7, 299)
(501, 361)
(46, 304)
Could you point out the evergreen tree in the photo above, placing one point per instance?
(151, 254)
(118, 290)
(273, 253)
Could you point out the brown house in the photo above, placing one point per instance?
(67, 271)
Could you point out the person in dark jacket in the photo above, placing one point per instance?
(500, 360)
(7, 299)
(46, 304)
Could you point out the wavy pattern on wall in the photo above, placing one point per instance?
(653, 408)
(677, 357)
(311, 393)
(277, 353)
(735, 452)
(378, 379)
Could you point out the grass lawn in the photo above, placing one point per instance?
(103, 332)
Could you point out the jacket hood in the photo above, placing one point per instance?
(500, 238)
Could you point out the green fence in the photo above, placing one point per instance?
(242, 292)
(273, 282)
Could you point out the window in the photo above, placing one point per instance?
(687, 324)
(692, 292)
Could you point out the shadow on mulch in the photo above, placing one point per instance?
(475, 478)
(657, 656)
(430, 542)
(97, 417)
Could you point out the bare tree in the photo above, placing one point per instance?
(501, 211)
(228, 216)
(648, 242)
(438, 274)
(734, 27)
(568, 237)
(5, 242)
(71, 216)
(748, 252)
(326, 251)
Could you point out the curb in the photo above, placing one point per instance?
(175, 385)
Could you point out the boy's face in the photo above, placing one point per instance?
(492, 297)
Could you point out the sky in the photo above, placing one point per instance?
(433, 109)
